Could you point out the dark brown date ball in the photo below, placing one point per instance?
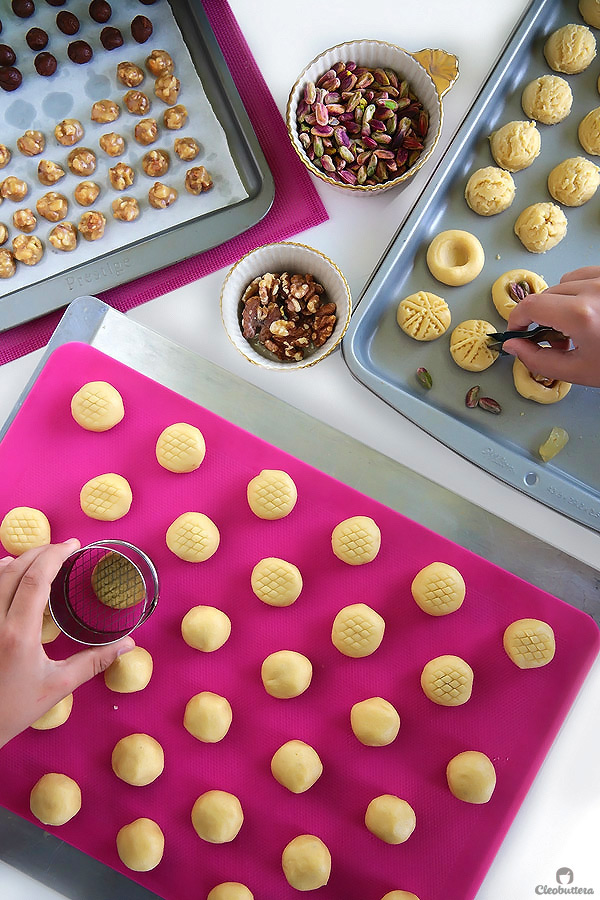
(7, 55)
(45, 64)
(10, 78)
(111, 38)
(141, 29)
(67, 22)
(23, 8)
(36, 38)
(56, 2)
(100, 11)
(80, 52)
(0, 27)
(147, 2)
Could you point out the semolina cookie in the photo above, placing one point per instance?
(272, 494)
(399, 895)
(588, 131)
(390, 818)
(447, 680)
(590, 12)
(276, 582)
(180, 448)
(286, 674)
(357, 630)
(512, 287)
(439, 589)
(490, 191)
(106, 497)
(138, 759)
(515, 145)
(230, 890)
(541, 226)
(50, 630)
(537, 387)
(217, 817)
(193, 537)
(297, 766)
(570, 49)
(130, 672)
(574, 181)
(455, 257)
(117, 582)
(22, 528)
(306, 863)
(141, 845)
(97, 406)
(205, 628)
(469, 345)
(375, 722)
(423, 316)
(471, 776)
(547, 99)
(55, 799)
(56, 716)
(356, 540)
(208, 717)
(529, 643)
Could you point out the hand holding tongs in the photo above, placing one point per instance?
(538, 335)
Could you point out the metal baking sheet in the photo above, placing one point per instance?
(383, 358)
(243, 185)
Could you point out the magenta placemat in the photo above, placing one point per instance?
(513, 715)
(296, 207)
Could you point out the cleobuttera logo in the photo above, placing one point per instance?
(564, 876)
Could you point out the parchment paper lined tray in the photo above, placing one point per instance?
(242, 189)
(385, 359)
(513, 715)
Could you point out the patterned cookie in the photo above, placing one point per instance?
(529, 643)
(447, 680)
(180, 448)
(356, 540)
(193, 537)
(357, 630)
(469, 345)
(423, 316)
(272, 494)
(116, 582)
(22, 528)
(106, 497)
(97, 406)
(438, 589)
(276, 582)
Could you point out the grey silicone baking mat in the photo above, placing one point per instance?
(381, 356)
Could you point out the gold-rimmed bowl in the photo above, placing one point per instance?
(294, 258)
(429, 74)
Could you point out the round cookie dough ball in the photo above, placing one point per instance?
(512, 287)
(57, 715)
(357, 630)
(55, 799)
(217, 817)
(276, 582)
(574, 181)
(230, 890)
(286, 674)
(455, 257)
(180, 447)
(439, 589)
(193, 537)
(205, 628)
(272, 494)
(447, 680)
(356, 540)
(390, 818)
(130, 672)
(50, 630)
(469, 345)
(208, 717)
(423, 316)
(399, 895)
(471, 776)
(138, 759)
(570, 49)
(297, 766)
(590, 12)
(515, 145)
(490, 191)
(538, 387)
(22, 528)
(140, 845)
(106, 497)
(306, 863)
(529, 643)
(547, 99)
(588, 132)
(541, 226)
(375, 722)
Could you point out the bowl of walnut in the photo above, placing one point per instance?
(285, 306)
(367, 115)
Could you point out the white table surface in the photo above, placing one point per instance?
(559, 821)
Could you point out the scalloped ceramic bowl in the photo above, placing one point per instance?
(285, 256)
(430, 73)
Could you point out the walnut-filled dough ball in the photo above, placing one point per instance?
(547, 99)
(104, 111)
(155, 163)
(186, 148)
(63, 237)
(175, 117)
(86, 193)
(24, 220)
(53, 206)
(3, 233)
(121, 176)
(28, 249)
(159, 62)
(146, 131)
(13, 188)
(7, 264)
(166, 88)
(125, 209)
(130, 74)
(91, 225)
(197, 180)
(31, 143)
(82, 161)
(160, 195)
(68, 132)
(49, 172)
(570, 49)
(137, 102)
(5, 156)
(112, 143)
(574, 181)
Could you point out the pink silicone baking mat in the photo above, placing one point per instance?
(512, 716)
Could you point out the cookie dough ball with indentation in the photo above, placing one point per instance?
(390, 818)
(276, 582)
(590, 12)
(589, 132)
(297, 766)
(56, 716)
(423, 316)
(217, 817)
(547, 99)
(208, 717)
(55, 799)
(356, 540)
(439, 589)
(471, 776)
(455, 257)
(141, 845)
(516, 145)
(469, 345)
(130, 672)
(22, 528)
(490, 191)
(286, 674)
(529, 643)
(570, 49)
(306, 863)
(193, 537)
(357, 630)
(513, 286)
(375, 722)
(205, 628)
(272, 494)
(574, 181)
(106, 497)
(538, 387)
(138, 759)
(230, 890)
(447, 680)
(180, 447)
(97, 406)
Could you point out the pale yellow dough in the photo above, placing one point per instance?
(501, 297)
(140, 845)
(276, 582)
(516, 145)
(50, 630)
(55, 799)
(357, 630)
(390, 818)
(570, 49)
(399, 895)
(193, 537)
(469, 345)
(547, 99)
(272, 494)
(541, 226)
(574, 181)
(356, 540)
(532, 387)
(217, 817)
(423, 316)
(297, 766)
(205, 628)
(306, 863)
(590, 12)
(130, 672)
(138, 759)
(589, 132)
(375, 722)
(286, 674)
(208, 717)
(529, 643)
(56, 716)
(22, 528)
(97, 406)
(230, 890)
(455, 257)
(106, 497)
(471, 776)
(490, 191)
(180, 448)
(116, 582)
(439, 589)
(447, 680)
